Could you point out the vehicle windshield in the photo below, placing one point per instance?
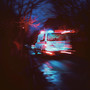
(56, 37)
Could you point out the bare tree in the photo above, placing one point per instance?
(24, 11)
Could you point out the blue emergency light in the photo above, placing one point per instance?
(50, 31)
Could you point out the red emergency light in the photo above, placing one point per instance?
(58, 31)
(65, 31)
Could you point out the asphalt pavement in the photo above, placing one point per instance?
(63, 72)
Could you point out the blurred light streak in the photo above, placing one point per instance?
(66, 52)
(50, 53)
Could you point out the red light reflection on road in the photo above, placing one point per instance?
(50, 53)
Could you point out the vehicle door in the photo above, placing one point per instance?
(40, 41)
(57, 42)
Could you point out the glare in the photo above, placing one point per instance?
(38, 53)
(45, 44)
(42, 32)
(49, 52)
(65, 32)
(53, 74)
(50, 31)
(66, 52)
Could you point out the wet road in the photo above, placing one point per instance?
(63, 72)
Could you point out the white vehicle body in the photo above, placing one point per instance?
(50, 41)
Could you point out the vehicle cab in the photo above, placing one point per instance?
(51, 42)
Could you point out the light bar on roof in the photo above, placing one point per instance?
(58, 31)
(68, 31)
(65, 32)
(50, 31)
(42, 32)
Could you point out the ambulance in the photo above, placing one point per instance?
(53, 42)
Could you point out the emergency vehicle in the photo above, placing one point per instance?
(52, 42)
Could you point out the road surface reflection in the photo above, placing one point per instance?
(53, 71)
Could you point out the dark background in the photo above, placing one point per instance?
(15, 69)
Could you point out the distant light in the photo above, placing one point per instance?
(23, 27)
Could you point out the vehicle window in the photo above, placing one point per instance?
(56, 37)
(41, 37)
